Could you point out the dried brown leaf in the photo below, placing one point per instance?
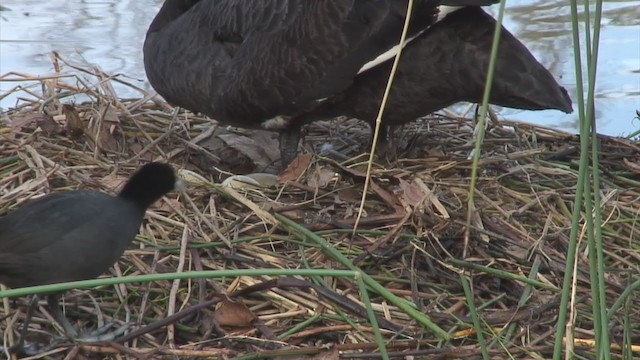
(75, 126)
(297, 167)
(49, 126)
(19, 123)
(255, 146)
(389, 198)
(412, 194)
(109, 120)
(321, 177)
(233, 313)
(113, 181)
(349, 195)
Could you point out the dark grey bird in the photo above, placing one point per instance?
(75, 235)
(280, 64)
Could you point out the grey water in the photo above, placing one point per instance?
(110, 33)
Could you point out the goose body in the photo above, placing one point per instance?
(278, 64)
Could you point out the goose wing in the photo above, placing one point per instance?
(243, 62)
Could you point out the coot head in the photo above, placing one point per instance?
(150, 183)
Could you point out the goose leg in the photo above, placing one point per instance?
(384, 144)
(289, 140)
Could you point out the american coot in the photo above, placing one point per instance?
(282, 63)
(75, 235)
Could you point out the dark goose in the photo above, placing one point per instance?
(75, 235)
(279, 64)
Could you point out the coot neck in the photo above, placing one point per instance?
(140, 195)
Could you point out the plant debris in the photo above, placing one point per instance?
(413, 238)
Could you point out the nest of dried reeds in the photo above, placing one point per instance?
(413, 238)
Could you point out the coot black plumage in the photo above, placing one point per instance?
(76, 235)
(278, 64)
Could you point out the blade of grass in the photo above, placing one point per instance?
(623, 297)
(501, 274)
(480, 126)
(300, 326)
(627, 341)
(474, 316)
(372, 318)
(526, 293)
(633, 134)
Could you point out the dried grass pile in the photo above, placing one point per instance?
(413, 238)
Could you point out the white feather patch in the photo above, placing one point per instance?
(276, 123)
(389, 54)
(444, 10)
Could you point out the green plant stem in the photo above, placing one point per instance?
(474, 317)
(372, 318)
(405, 306)
(603, 345)
(172, 276)
(579, 197)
